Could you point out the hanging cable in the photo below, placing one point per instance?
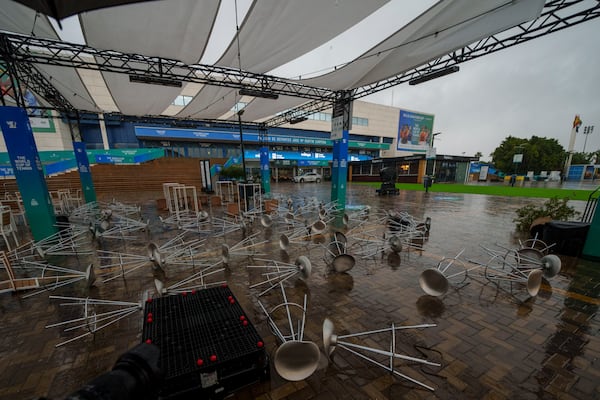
(34, 22)
(237, 36)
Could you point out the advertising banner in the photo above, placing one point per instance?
(265, 172)
(414, 131)
(215, 136)
(483, 172)
(589, 172)
(27, 168)
(39, 120)
(85, 174)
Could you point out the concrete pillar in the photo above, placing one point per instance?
(103, 133)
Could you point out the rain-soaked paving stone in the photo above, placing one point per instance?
(491, 339)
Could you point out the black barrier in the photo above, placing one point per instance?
(136, 375)
(568, 237)
(427, 182)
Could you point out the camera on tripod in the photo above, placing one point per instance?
(136, 375)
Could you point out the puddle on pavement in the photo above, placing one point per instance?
(492, 339)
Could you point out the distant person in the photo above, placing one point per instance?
(423, 135)
(513, 180)
(405, 135)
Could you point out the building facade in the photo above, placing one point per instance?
(293, 148)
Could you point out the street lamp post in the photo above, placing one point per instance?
(518, 157)
(587, 130)
(434, 159)
(239, 114)
(433, 137)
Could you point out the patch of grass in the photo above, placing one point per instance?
(494, 190)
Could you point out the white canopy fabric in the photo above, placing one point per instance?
(275, 32)
(174, 29)
(445, 27)
(272, 33)
(17, 18)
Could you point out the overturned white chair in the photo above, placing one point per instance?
(8, 226)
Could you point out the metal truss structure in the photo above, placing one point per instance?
(31, 78)
(21, 52)
(35, 50)
(556, 15)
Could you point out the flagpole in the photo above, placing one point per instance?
(576, 124)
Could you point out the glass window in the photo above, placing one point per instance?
(404, 169)
(320, 116)
(182, 100)
(238, 106)
(360, 121)
(358, 169)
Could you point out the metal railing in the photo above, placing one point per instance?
(590, 207)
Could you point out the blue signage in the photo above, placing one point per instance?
(6, 171)
(265, 172)
(108, 159)
(58, 167)
(29, 174)
(339, 170)
(85, 174)
(303, 155)
(249, 136)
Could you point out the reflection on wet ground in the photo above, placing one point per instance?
(491, 340)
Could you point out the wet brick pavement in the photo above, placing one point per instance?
(493, 342)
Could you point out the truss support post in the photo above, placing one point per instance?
(591, 250)
(27, 167)
(265, 171)
(341, 123)
(85, 174)
(83, 164)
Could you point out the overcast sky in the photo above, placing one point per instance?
(535, 88)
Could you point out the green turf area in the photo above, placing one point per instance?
(495, 190)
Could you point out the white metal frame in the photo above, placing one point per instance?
(226, 191)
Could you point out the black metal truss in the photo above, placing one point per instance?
(263, 135)
(29, 77)
(550, 20)
(10, 89)
(556, 15)
(161, 120)
(24, 51)
(28, 49)
(301, 111)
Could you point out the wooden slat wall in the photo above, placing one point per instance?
(111, 179)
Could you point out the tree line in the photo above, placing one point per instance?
(539, 154)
